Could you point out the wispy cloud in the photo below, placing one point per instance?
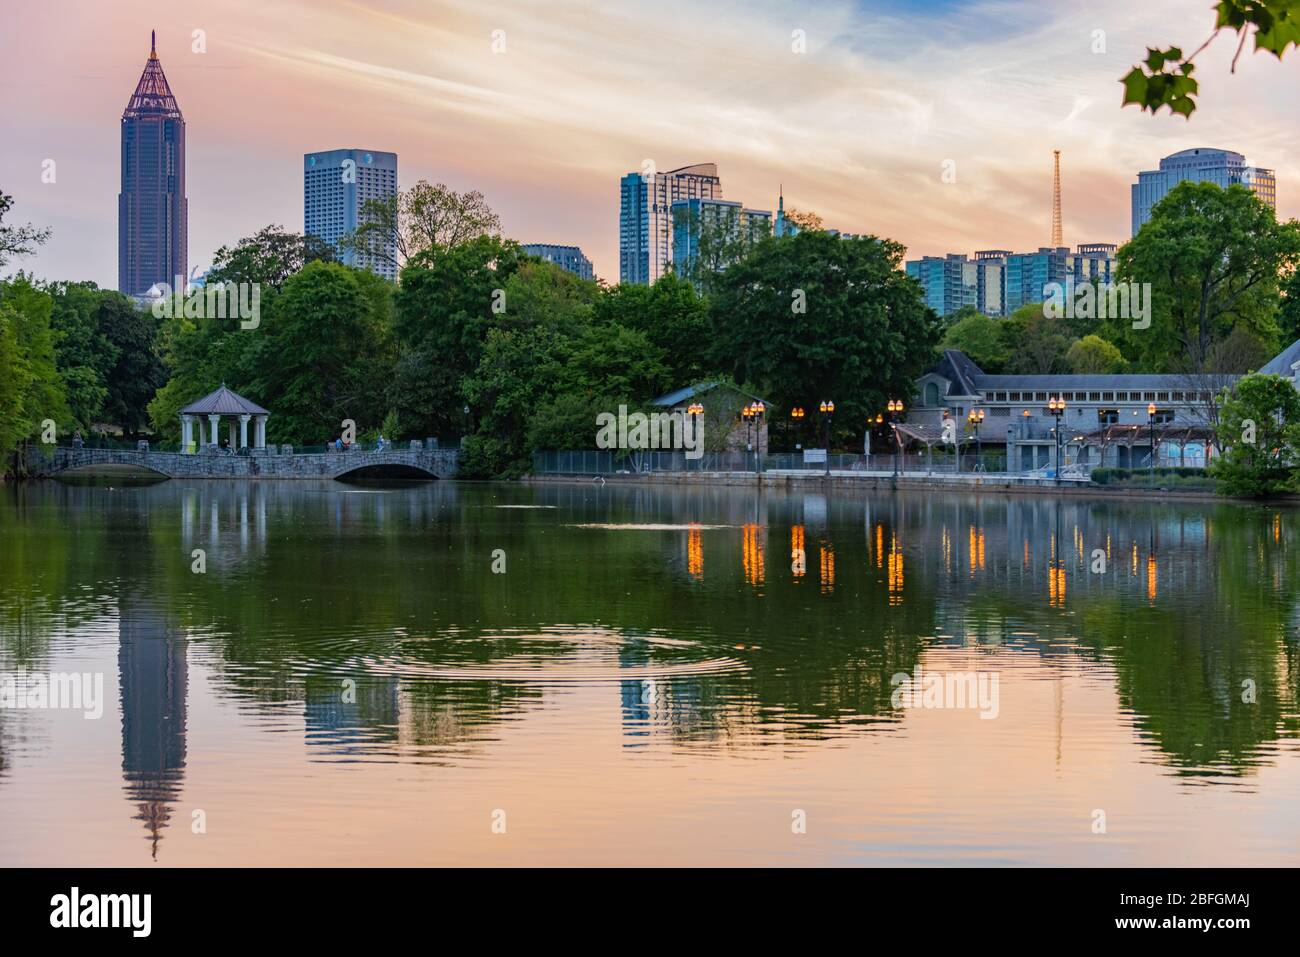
(858, 127)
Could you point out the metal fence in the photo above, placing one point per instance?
(616, 462)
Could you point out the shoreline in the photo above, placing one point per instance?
(1009, 485)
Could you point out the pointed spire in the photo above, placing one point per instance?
(152, 94)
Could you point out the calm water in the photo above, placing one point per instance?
(653, 679)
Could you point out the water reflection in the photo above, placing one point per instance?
(369, 621)
(153, 678)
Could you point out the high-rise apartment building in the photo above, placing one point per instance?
(645, 216)
(717, 230)
(998, 282)
(337, 184)
(566, 257)
(152, 212)
(949, 282)
(1222, 167)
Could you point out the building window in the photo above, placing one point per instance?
(1107, 416)
(1164, 416)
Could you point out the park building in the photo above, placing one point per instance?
(1108, 420)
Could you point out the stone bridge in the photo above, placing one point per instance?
(261, 463)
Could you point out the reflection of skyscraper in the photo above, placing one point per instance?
(153, 675)
(152, 212)
(352, 718)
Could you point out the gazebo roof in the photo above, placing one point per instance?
(223, 402)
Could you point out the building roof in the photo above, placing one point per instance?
(677, 397)
(966, 378)
(223, 402)
(1281, 363)
(152, 96)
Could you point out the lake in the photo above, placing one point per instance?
(297, 673)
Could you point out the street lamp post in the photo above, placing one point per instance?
(1151, 419)
(976, 418)
(827, 409)
(895, 407)
(1056, 406)
(695, 410)
(797, 416)
(759, 409)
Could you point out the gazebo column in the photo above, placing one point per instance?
(231, 435)
(187, 425)
(216, 423)
(261, 431)
(243, 430)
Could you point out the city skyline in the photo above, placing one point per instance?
(362, 73)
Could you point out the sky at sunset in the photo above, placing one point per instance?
(856, 129)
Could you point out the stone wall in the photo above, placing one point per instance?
(440, 463)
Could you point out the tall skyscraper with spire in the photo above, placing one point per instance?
(152, 212)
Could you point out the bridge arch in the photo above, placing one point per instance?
(399, 471)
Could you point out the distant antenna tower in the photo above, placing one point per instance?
(1057, 239)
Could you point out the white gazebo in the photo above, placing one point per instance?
(213, 406)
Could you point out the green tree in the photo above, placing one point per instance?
(1288, 317)
(1036, 343)
(812, 317)
(1164, 78)
(1259, 431)
(325, 353)
(395, 229)
(671, 315)
(1093, 355)
(17, 240)
(1212, 258)
(137, 372)
(35, 388)
(268, 257)
(15, 380)
(84, 354)
(444, 309)
(981, 338)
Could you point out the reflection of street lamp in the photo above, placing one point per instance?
(1151, 418)
(1056, 406)
(748, 414)
(975, 418)
(695, 410)
(827, 409)
(895, 407)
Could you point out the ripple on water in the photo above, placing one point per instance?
(553, 654)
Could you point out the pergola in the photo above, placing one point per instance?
(1135, 434)
(213, 406)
